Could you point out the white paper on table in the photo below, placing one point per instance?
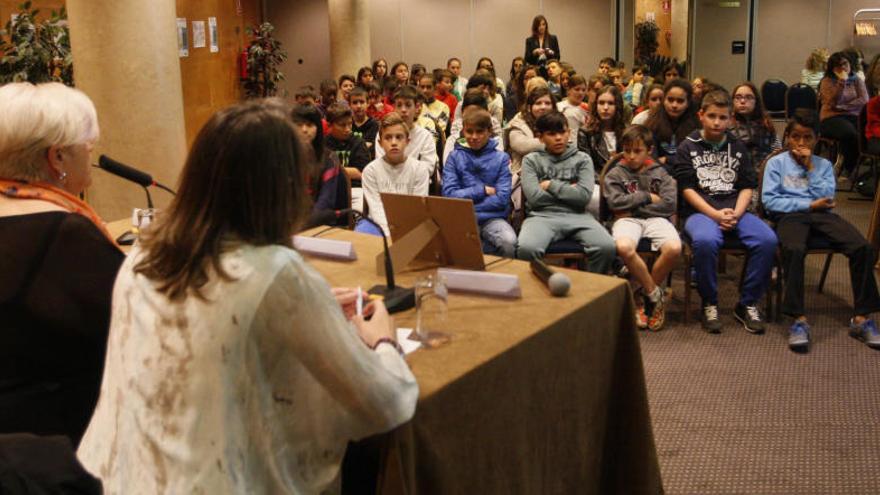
(198, 34)
(182, 38)
(405, 342)
(212, 34)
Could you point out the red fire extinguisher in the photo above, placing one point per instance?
(243, 64)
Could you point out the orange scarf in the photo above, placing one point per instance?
(51, 194)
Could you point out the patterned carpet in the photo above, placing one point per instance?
(738, 413)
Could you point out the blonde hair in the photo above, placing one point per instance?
(534, 83)
(35, 118)
(817, 60)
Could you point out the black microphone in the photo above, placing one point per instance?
(558, 283)
(129, 173)
(396, 298)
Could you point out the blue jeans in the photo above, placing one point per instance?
(707, 238)
(498, 238)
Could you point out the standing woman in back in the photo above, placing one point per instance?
(232, 367)
(841, 97)
(541, 46)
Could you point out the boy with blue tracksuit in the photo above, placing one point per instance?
(476, 170)
(798, 194)
(716, 179)
(558, 182)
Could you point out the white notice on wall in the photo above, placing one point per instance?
(651, 17)
(198, 34)
(182, 38)
(212, 34)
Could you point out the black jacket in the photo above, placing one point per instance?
(550, 42)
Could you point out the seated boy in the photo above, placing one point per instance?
(716, 179)
(473, 99)
(558, 182)
(351, 150)
(476, 170)
(433, 108)
(306, 95)
(362, 125)
(798, 193)
(443, 87)
(376, 106)
(393, 172)
(642, 196)
(421, 145)
(328, 89)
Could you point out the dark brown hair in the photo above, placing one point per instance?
(536, 22)
(758, 114)
(618, 121)
(479, 118)
(243, 181)
(533, 97)
(635, 134)
(337, 112)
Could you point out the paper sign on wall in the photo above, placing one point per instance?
(212, 34)
(198, 34)
(182, 38)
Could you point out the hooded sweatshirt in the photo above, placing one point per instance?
(628, 190)
(717, 172)
(467, 172)
(788, 187)
(571, 177)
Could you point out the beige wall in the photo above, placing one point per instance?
(429, 32)
(680, 29)
(715, 29)
(782, 45)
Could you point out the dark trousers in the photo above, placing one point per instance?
(843, 128)
(794, 229)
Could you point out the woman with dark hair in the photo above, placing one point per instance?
(541, 46)
(674, 120)
(841, 97)
(326, 185)
(751, 124)
(380, 71)
(231, 364)
(512, 92)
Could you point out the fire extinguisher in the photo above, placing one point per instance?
(243, 64)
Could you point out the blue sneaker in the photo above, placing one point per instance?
(866, 332)
(799, 336)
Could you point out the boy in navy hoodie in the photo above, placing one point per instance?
(716, 180)
(558, 182)
(476, 170)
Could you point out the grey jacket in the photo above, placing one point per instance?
(571, 179)
(627, 190)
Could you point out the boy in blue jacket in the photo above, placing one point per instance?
(476, 170)
(798, 193)
(558, 182)
(716, 179)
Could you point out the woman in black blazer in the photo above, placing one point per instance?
(541, 46)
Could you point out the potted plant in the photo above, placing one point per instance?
(646, 40)
(263, 57)
(36, 51)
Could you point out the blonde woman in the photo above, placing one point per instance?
(57, 263)
(814, 71)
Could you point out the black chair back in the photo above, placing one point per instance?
(773, 94)
(800, 96)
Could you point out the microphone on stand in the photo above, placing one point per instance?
(396, 298)
(558, 283)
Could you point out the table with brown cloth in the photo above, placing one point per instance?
(540, 395)
(536, 395)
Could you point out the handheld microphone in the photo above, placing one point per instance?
(558, 283)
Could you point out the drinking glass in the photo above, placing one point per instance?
(143, 217)
(431, 310)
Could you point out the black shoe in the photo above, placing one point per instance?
(750, 317)
(709, 319)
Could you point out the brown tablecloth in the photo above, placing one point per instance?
(536, 395)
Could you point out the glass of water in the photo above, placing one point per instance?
(143, 218)
(431, 310)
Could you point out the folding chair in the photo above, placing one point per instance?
(799, 95)
(773, 94)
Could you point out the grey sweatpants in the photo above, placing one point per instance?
(542, 228)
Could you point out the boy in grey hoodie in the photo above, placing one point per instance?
(642, 197)
(558, 182)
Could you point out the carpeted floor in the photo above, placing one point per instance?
(738, 413)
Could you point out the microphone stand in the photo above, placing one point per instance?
(396, 298)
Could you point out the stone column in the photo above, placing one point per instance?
(349, 36)
(125, 58)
